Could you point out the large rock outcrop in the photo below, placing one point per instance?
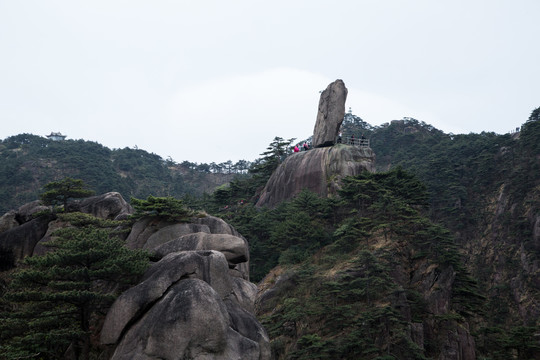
(20, 241)
(23, 232)
(330, 114)
(233, 247)
(195, 302)
(162, 237)
(8, 221)
(110, 205)
(186, 307)
(319, 170)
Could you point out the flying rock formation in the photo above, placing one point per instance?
(330, 114)
(321, 169)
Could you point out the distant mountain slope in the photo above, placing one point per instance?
(27, 162)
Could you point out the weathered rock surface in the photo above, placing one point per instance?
(150, 233)
(244, 293)
(41, 248)
(319, 170)
(171, 232)
(110, 205)
(8, 221)
(19, 242)
(219, 226)
(233, 247)
(184, 309)
(20, 216)
(330, 114)
(27, 211)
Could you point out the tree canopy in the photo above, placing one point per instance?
(53, 300)
(166, 208)
(60, 192)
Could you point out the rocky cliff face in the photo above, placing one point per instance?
(325, 298)
(509, 265)
(319, 170)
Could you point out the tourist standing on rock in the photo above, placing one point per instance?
(352, 139)
(296, 149)
(339, 137)
(306, 146)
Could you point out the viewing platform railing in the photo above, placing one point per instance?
(353, 141)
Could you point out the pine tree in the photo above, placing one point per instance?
(52, 299)
(274, 155)
(167, 208)
(60, 192)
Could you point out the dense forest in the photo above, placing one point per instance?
(352, 268)
(468, 201)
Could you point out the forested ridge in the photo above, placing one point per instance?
(28, 162)
(443, 239)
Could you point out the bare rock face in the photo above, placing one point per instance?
(27, 211)
(24, 214)
(171, 232)
(319, 170)
(148, 233)
(186, 307)
(19, 242)
(40, 248)
(233, 247)
(163, 237)
(330, 114)
(8, 221)
(219, 226)
(244, 293)
(455, 340)
(110, 205)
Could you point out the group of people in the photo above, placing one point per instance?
(350, 140)
(298, 148)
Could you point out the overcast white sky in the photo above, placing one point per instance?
(210, 81)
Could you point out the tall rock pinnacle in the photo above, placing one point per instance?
(330, 114)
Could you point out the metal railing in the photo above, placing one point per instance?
(347, 140)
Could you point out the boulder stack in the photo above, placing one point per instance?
(195, 302)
